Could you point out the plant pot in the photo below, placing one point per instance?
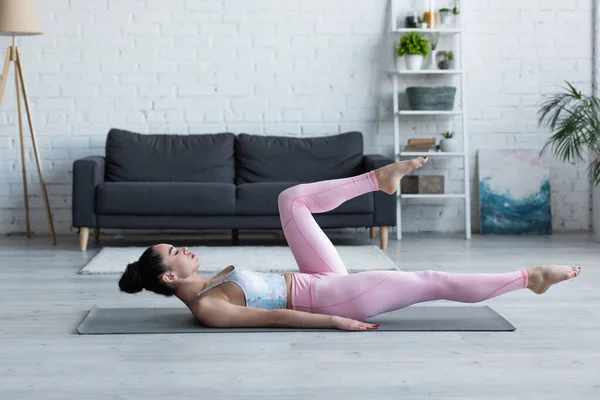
(596, 212)
(450, 145)
(423, 25)
(450, 64)
(441, 59)
(413, 61)
(445, 17)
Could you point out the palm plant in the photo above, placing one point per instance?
(574, 121)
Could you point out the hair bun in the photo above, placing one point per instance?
(131, 280)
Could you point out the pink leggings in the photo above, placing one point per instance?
(323, 285)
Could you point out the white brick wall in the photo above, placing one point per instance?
(279, 67)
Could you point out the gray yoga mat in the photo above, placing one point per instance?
(180, 320)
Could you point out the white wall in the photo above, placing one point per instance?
(279, 67)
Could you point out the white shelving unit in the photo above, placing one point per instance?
(455, 33)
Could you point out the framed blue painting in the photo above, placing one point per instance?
(514, 192)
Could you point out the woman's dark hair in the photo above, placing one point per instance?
(145, 274)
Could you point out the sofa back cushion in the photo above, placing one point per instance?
(169, 158)
(282, 158)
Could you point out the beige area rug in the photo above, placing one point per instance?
(114, 260)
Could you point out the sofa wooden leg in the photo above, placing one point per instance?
(235, 236)
(383, 233)
(373, 232)
(96, 235)
(84, 233)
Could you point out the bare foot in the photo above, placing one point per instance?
(540, 278)
(389, 176)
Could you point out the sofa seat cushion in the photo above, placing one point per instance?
(302, 159)
(165, 198)
(261, 199)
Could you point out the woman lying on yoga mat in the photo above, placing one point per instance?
(322, 294)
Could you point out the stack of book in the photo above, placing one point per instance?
(421, 145)
(422, 184)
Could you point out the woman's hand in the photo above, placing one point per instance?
(347, 324)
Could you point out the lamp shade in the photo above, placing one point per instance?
(19, 18)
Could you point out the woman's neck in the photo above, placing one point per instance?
(189, 288)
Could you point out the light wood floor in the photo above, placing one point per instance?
(553, 354)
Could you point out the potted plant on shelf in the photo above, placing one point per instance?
(415, 47)
(449, 144)
(445, 14)
(573, 119)
(456, 8)
(450, 60)
(444, 59)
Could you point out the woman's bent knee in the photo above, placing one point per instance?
(289, 195)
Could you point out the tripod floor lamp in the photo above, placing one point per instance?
(20, 18)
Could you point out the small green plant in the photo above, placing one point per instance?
(412, 43)
(444, 10)
(450, 56)
(456, 8)
(448, 135)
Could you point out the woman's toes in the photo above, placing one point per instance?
(417, 163)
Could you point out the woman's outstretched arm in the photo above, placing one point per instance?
(218, 313)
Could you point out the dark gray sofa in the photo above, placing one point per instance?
(218, 181)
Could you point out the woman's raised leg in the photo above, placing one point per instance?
(312, 249)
